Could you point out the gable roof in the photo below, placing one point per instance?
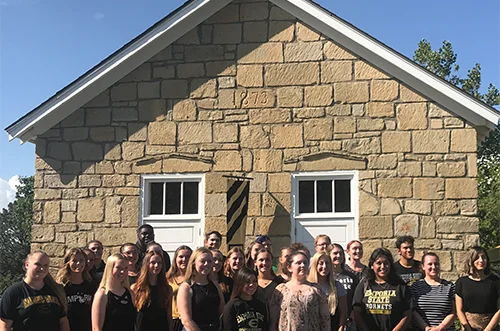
(194, 12)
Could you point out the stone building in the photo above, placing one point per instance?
(340, 134)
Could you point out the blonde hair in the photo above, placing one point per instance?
(107, 276)
(191, 269)
(174, 270)
(322, 236)
(313, 278)
(64, 274)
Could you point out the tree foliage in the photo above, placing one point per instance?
(443, 62)
(15, 233)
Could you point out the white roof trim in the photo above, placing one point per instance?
(193, 13)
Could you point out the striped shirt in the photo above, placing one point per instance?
(433, 302)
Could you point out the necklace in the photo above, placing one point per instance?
(204, 288)
(383, 285)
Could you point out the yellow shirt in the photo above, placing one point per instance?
(175, 290)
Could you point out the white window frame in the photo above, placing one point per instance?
(145, 194)
(324, 175)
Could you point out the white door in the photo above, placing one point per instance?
(173, 205)
(324, 203)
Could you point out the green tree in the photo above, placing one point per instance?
(443, 62)
(15, 233)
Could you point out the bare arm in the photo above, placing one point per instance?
(404, 321)
(459, 304)
(494, 320)
(99, 310)
(184, 297)
(5, 325)
(447, 321)
(342, 311)
(64, 324)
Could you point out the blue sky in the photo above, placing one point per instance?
(46, 44)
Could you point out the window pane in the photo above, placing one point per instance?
(324, 196)
(342, 195)
(190, 198)
(173, 198)
(156, 199)
(306, 196)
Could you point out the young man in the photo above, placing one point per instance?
(145, 235)
(213, 240)
(99, 265)
(407, 267)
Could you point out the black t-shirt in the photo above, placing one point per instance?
(350, 282)
(226, 285)
(241, 315)
(30, 309)
(264, 294)
(153, 316)
(479, 297)
(359, 274)
(205, 304)
(382, 305)
(79, 297)
(409, 275)
(120, 312)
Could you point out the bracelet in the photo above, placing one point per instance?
(441, 325)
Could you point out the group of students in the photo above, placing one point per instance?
(203, 290)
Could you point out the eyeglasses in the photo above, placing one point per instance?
(322, 244)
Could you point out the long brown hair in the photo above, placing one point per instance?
(228, 272)
(64, 274)
(249, 262)
(473, 255)
(241, 279)
(142, 288)
(174, 268)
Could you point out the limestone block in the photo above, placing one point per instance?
(124, 92)
(407, 95)
(446, 207)
(431, 141)
(336, 71)
(267, 160)
(452, 244)
(427, 227)
(52, 212)
(418, 207)
(155, 110)
(190, 70)
(112, 151)
(429, 169)
(461, 188)
(406, 225)
(261, 116)
(204, 88)
(368, 204)
(259, 183)
(451, 169)
(281, 31)
(436, 123)
(47, 194)
(290, 96)
(380, 109)
(89, 181)
(260, 53)
(42, 233)
(204, 53)
(228, 14)
(148, 90)
(436, 111)
(215, 205)
(227, 33)
(394, 187)
(287, 135)
(276, 204)
(102, 134)
(279, 14)
(468, 207)
(227, 161)
(389, 207)
(225, 99)
(471, 240)
(113, 180)
(344, 125)
(255, 31)
(85, 151)
(117, 236)
(132, 150)
(165, 72)
(304, 33)
(384, 90)
(351, 92)
(195, 132)
(302, 113)
(75, 134)
(112, 212)
(215, 183)
(137, 132)
(249, 75)
(428, 244)
(254, 137)
(220, 68)
(280, 183)
(124, 114)
(142, 73)
(254, 11)
(130, 211)
(331, 163)
(339, 110)
(59, 181)
(316, 96)
(334, 52)
(318, 129)
(368, 124)
(184, 110)
(302, 52)
(409, 169)
(59, 151)
(464, 140)
(180, 165)
(375, 227)
(472, 165)
(361, 145)
(428, 188)
(448, 224)
(225, 132)
(291, 74)
(382, 161)
(363, 70)
(453, 122)
(412, 116)
(90, 210)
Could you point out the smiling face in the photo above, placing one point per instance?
(481, 262)
(285, 253)
(255, 249)
(204, 264)
(131, 254)
(97, 249)
(77, 263)
(89, 260)
(355, 251)
(182, 259)
(299, 267)
(120, 269)
(218, 261)
(37, 267)
(406, 251)
(236, 261)
(321, 245)
(336, 256)
(381, 267)
(430, 265)
(251, 287)
(213, 242)
(155, 265)
(323, 267)
(264, 262)
(146, 235)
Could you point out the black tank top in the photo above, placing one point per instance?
(205, 304)
(120, 312)
(152, 317)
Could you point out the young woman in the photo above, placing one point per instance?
(153, 295)
(235, 260)
(175, 277)
(218, 276)
(344, 277)
(382, 301)
(282, 271)
(251, 253)
(433, 297)
(244, 312)
(35, 303)
(297, 304)
(354, 265)
(478, 293)
(78, 288)
(266, 279)
(321, 273)
(321, 243)
(200, 300)
(113, 306)
(131, 252)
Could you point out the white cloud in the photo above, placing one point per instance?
(8, 190)
(98, 16)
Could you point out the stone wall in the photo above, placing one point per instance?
(252, 91)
